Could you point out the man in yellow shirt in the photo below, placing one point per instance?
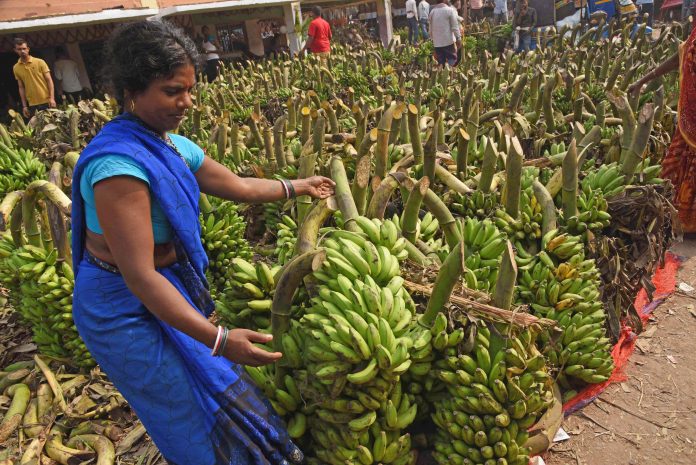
(34, 80)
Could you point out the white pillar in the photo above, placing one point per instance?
(384, 21)
(254, 40)
(291, 12)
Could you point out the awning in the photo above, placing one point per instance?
(83, 19)
(667, 4)
(218, 6)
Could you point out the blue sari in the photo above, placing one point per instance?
(198, 409)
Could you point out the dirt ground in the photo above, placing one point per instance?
(650, 419)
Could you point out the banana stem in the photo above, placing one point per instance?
(234, 144)
(382, 145)
(449, 275)
(380, 198)
(451, 180)
(570, 182)
(444, 216)
(628, 118)
(255, 131)
(462, 152)
(547, 106)
(430, 150)
(8, 204)
(488, 167)
(307, 235)
(640, 141)
(290, 279)
(505, 285)
(361, 181)
(513, 178)
(409, 218)
(306, 122)
(548, 208)
(344, 198)
(106, 454)
(278, 136)
(414, 133)
(268, 144)
(13, 417)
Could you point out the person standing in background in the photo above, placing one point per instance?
(68, 74)
(500, 12)
(319, 36)
(34, 80)
(212, 58)
(447, 36)
(476, 10)
(647, 6)
(412, 20)
(423, 14)
(523, 22)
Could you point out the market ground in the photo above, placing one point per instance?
(650, 418)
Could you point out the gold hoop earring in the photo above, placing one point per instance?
(132, 106)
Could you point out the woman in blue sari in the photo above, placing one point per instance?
(141, 301)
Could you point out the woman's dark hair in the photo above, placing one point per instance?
(138, 53)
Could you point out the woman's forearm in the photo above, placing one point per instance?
(667, 66)
(164, 301)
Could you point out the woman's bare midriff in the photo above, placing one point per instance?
(165, 254)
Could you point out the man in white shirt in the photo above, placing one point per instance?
(423, 14)
(412, 20)
(445, 31)
(68, 74)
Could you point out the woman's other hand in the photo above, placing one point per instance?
(240, 348)
(318, 187)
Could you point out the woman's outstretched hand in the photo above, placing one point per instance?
(240, 348)
(317, 187)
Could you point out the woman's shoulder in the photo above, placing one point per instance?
(189, 150)
(109, 165)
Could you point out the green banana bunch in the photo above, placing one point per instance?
(606, 178)
(426, 227)
(41, 289)
(527, 227)
(492, 396)
(286, 239)
(356, 349)
(248, 299)
(222, 234)
(484, 245)
(475, 205)
(18, 167)
(385, 233)
(560, 284)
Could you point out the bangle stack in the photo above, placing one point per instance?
(288, 188)
(220, 341)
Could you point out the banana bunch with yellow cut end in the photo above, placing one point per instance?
(247, 302)
(560, 284)
(41, 289)
(493, 395)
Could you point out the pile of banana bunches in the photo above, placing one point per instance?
(362, 372)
